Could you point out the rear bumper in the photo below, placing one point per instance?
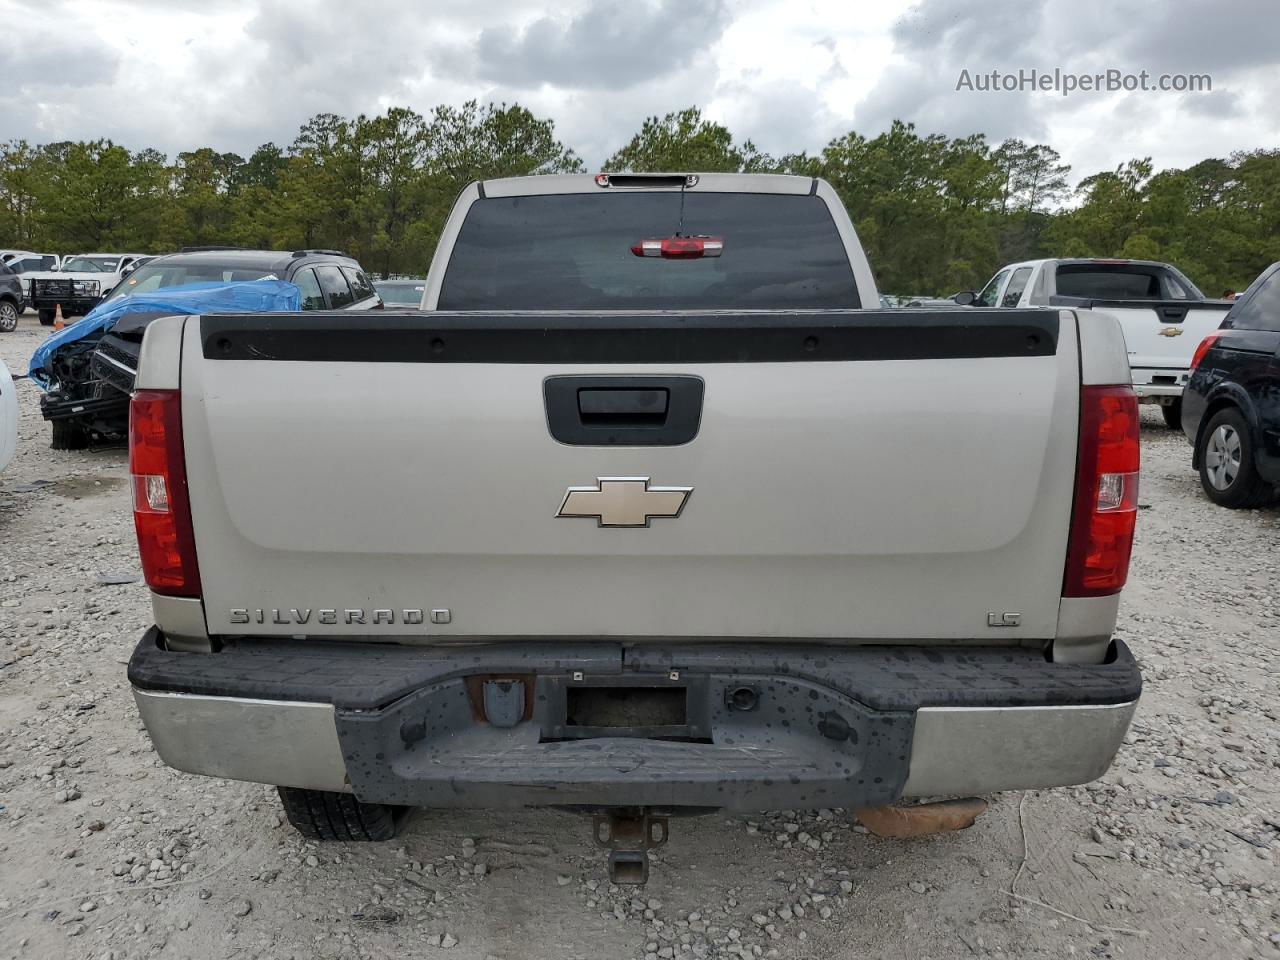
(830, 726)
(1156, 382)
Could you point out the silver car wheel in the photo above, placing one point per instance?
(1222, 458)
(8, 317)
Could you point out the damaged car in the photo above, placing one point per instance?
(80, 406)
(88, 369)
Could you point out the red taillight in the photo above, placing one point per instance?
(1106, 500)
(1201, 350)
(679, 248)
(161, 510)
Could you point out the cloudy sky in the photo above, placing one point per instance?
(789, 74)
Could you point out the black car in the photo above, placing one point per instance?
(10, 299)
(1231, 405)
(93, 377)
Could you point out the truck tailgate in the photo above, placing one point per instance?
(851, 474)
(1163, 334)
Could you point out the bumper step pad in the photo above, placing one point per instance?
(803, 745)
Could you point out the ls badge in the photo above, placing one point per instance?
(623, 502)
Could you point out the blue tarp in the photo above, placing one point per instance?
(249, 296)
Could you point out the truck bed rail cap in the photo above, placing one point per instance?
(707, 183)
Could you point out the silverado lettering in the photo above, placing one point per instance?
(326, 615)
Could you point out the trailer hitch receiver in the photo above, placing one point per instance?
(629, 833)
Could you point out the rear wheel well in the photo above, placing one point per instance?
(1210, 411)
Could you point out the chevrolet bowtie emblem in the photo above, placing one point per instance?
(1171, 332)
(624, 502)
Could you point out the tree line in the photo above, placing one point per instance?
(936, 214)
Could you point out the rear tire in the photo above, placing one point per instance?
(321, 815)
(8, 316)
(46, 317)
(1172, 414)
(68, 435)
(1227, 470)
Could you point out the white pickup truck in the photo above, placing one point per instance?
(79, 283)
(642, 513)
(1164, 315)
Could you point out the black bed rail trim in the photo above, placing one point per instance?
(631, 338)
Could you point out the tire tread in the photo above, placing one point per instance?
(323, 815)
(68, 435)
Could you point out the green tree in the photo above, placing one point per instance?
(471, 143)
(23, 173)
(100, 196)
(1110, 212)
(684, 141)
(1034, 181)
(254, 187)
(924, 206)
(936, 214)
(202, 188)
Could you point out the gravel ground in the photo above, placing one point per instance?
(108, 854)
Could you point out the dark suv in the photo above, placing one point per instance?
(1231, 405)
(326, 279)
(93, 377)
(10, 299)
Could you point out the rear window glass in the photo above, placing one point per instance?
(1116, 281)
(400, 292)
(161, 276)
(573, 251)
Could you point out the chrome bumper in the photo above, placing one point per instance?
(976, 750)
(285, 743)
(1152, 383)
(955, 750)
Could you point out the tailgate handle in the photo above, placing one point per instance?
(622, 407)
(1173, 314)
(623, 411)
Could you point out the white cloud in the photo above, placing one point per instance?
(177, 74)
(1236, 41)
